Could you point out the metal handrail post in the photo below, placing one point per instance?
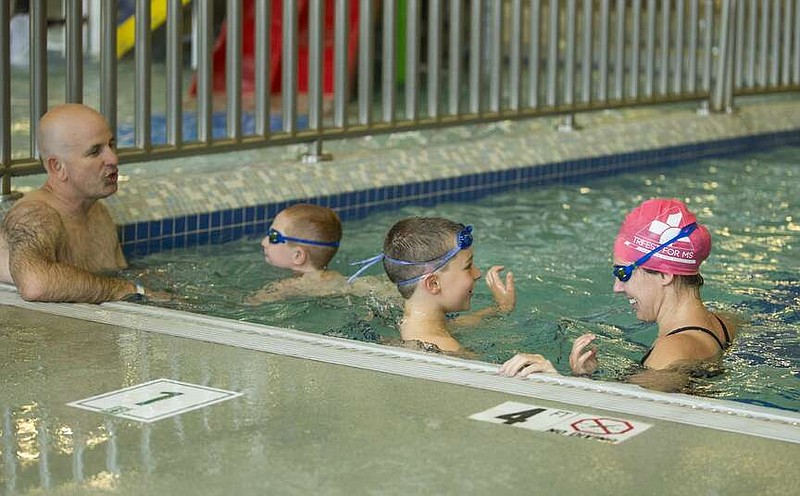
(719, 102)
(5, 106)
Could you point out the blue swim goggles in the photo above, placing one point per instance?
(624, 272)
(463, 241)
(276, 237)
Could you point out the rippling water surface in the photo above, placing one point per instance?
(557, 241)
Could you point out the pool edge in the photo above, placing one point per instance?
(622, 398)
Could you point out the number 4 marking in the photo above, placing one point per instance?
(516, 417)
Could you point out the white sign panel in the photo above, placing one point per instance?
(564, 422)
(154, 400)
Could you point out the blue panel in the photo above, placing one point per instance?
(155, 229)
(140, 249)
(191, 223)
(167, 243)
(333, 202)
(142, 230)
(167, 227)
(203, 222)
(227, 218)
(128, 233)
(272, 211)
(238, 216)
(191, 239)
(350, 199)
(249, 214)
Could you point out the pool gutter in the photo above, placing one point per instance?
(616, 397)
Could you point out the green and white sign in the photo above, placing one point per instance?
(154, 400)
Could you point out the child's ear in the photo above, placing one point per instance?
(299, 256)
(431, 284)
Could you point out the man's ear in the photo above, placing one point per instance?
(431, 284)
(666, 279)
(55, 167)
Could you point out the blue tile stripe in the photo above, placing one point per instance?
(143, 238)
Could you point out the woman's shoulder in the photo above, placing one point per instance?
(688, 344)
(732, 321)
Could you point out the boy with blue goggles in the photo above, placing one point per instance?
(430, 260)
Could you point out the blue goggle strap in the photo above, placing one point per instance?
(684, 232)
(365, 264)
(280, 238)
(463, 241)
(442, 261)
(333, 244)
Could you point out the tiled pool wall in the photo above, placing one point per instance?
(221, 207)
(141, 238)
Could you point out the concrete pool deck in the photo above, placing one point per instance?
(305, 426)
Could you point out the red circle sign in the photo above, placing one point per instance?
(604, 426)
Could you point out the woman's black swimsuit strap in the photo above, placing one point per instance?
(701, 329)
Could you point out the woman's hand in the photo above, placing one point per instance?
(505, 295)
(583, 362)
(525, 364)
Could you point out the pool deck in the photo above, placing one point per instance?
(346, 418)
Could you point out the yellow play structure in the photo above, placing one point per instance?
(126, 31)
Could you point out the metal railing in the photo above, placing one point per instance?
(356, 67)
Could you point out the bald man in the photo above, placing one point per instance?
(56, 242)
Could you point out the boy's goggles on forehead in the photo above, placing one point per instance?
(624, 272)
(463, 241)
(276, 237)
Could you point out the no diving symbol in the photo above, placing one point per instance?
(602, 426)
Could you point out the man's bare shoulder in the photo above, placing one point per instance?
(31, 213)
(30, 229)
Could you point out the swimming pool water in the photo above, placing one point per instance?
(557, 240)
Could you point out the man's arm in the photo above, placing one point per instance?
(34, 232)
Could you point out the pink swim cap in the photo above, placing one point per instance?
(655, 222)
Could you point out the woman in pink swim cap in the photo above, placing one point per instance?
(657, 257)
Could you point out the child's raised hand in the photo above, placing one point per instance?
(504, 294)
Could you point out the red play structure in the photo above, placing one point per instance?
(276, 48)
